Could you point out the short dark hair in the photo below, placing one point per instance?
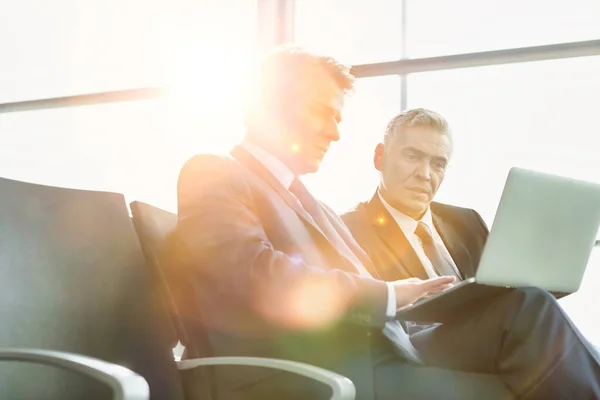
(280, 72)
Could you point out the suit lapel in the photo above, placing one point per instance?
(255, 166)
(390, 233)
(454, 245)
(347, 237)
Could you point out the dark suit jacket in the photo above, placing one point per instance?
(247, 246)
(462, 230)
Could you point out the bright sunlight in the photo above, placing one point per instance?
(205, 68)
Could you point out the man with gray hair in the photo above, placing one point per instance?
(523, 337)
(412, 159)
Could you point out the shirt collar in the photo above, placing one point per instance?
(406, 223)
(279, 170)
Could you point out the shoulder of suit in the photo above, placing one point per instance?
(205, 160)
(202, 163)
(331, 210)
(210, 170)
(355, 216)
(443, 209)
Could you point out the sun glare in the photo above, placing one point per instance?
(206, 81)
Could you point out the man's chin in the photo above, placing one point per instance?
(310, 166)
(415, 209)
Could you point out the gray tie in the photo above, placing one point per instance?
(440, 264)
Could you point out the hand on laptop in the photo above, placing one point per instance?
(412, 289)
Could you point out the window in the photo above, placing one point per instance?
(74, 47)
(116, 147)
(536, 115)
(347, 174)
(200, 50)
(136, 148)
(356, 32)
(441, 27)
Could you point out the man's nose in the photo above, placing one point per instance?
(424, 170)
(332, 133)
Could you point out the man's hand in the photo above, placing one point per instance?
(412, 289)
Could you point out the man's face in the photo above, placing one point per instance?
(309, 122)
(413, 167)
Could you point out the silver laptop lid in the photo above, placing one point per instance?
(543, 233)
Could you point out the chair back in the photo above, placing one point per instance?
(73, 278)
(154, 226)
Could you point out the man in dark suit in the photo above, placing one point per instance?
(412, 161)
(407, 235)
(274, 273)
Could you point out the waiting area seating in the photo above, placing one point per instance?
(78, 293)
(85, 289)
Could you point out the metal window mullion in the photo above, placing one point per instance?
(85, 99)
(403, 56)
(403, 92)
(480, 59)
(275, 23)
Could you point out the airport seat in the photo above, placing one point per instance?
(74, 294)
(153, 226)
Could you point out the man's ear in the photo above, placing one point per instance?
(378, 157)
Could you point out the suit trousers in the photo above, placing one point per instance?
(522, 336)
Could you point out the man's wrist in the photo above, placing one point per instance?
(391, 305)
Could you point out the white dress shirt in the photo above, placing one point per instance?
(283, 174)
(409, 226)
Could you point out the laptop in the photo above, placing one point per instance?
(543, 234)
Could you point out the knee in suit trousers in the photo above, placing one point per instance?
(526, 338)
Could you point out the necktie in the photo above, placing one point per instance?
(393, 330)
(310, 204)
(440, 264)
(314, 209)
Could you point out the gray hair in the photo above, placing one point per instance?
(415, 117)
